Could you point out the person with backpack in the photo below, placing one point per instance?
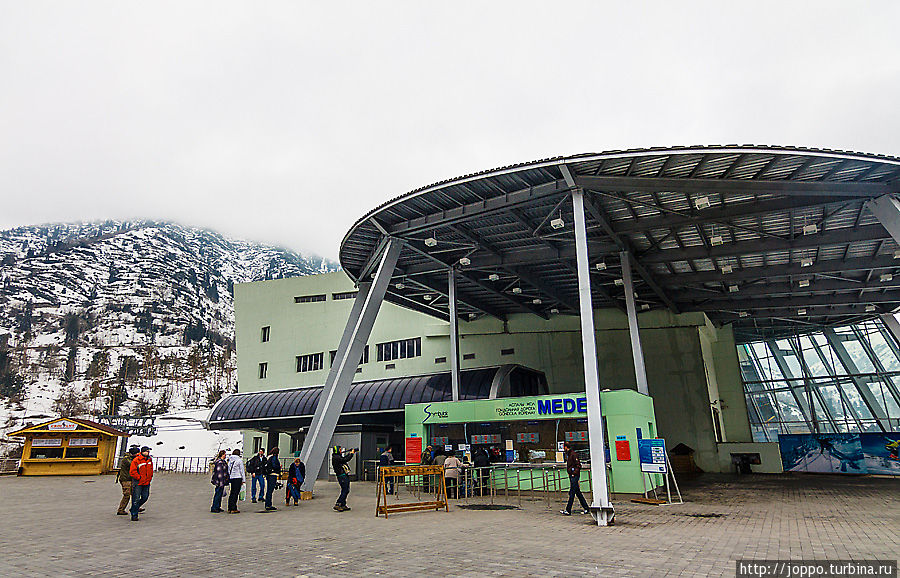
(219, 480)
(256, 469)
(573, 468)
(386, 459)
(141, 471)
(236, 475)
(272, 471)
(340, 462)
(296, 474)
(123, 476)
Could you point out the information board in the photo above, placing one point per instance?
(414, 450)
(440, 441)
(576, 436)
(652, 454)
(487, 439)
(528, 438)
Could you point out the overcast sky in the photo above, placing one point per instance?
(286, 122)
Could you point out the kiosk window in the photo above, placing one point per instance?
(81, 452)
(42, 453)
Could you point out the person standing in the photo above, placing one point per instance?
(340, 461)
(219, 480)
(427, 460)
(236, 476)
(482, 469)
(452, 467)
(123, 476)
(386, 459)
(296, 475)
(141, 471)
(573, 468)
(256, 467)
(272, 471)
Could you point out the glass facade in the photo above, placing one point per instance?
(838, 380)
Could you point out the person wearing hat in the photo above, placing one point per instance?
(123, 476)
(340, 462)
(141, 471)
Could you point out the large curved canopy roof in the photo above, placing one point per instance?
(772, 239)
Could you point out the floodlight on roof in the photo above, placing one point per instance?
(743, 314)
(601, 266)
(619, 282)
(427, 297)
(473, 315)
(733, 288)
(810, 229)
(399, 285)
(701, 202)
(430, 242)
(517, 290)
(464, 261)
(801, 311)
(896, 254)
(536, 301)
(870, 308)
(554, 310)
(716, 240)
(806, 262)
(557, 223)
(645, 307)
(493, 277)
(727, 269)
(885, 277)
(803, 283)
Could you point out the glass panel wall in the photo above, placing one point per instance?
(844, 379)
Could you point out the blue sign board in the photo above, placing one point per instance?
(652, 455)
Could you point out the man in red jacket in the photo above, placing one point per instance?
(141, 473)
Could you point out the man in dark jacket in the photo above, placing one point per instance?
(256, 469)
(123, 476)
(273, 471)
(340, 461)
(386, 459)
(482, 467)
(296, 475)
(573, 468)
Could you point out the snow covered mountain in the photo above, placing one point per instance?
(133, 317)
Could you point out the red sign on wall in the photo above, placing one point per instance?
(623, 450)
(414, 450)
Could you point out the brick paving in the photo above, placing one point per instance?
(67, 526)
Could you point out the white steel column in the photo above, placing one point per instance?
(886, 209)
(349, 353)
(454, 335)
(600, 508)
(637, 352)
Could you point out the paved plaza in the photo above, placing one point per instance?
(67, 526)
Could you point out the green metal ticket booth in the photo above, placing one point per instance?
(523, 431)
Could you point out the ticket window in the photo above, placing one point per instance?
(446, 434)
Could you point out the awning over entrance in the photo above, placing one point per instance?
(284, 408)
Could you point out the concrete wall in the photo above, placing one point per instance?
(690, 364)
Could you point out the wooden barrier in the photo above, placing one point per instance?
(440, 486)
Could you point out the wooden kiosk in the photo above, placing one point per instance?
(68, 447)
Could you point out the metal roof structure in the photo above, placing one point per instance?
(775, 240)
(298, 405)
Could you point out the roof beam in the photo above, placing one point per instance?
(815, 286)
(740, 303)
(758, 246)
(664, 184)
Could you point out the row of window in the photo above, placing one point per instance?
(389, 351)
(320, 297)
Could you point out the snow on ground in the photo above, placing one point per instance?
(181, 433)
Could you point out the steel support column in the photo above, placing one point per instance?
(637, 352)
(454, 335)
(349, 352)
(837, 345)
(600, 508)
(886, 209)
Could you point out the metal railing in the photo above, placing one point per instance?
(199, 464)
(9, 466)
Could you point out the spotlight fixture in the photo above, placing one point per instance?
(493, 277)
(645, 307)
(601, 266)
(807, 262)
(464, 261)
(810, 229)
(716, 240)
(536, 301)
(885, 277)
(870, 308)
(743, 314)
(803, 283)
(896, 254)
(701, 202)
(399, 285)
(801, 311)
(430, 242)
(427, 297)
(619, 282)
(473, 315)
(557, 223)
(517, 290)
(554, 311)
(727, 269)
(733, 288)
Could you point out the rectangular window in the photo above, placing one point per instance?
(333, 353)
(263, 369)
(44, 453)
(390, 366)
(309, 298)
(257, 444)
(310, 362)
(264, 334)
(509, 351)
(78, 452)
(343, 295)
(402, 349)
(440, 360)
(468, 356)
